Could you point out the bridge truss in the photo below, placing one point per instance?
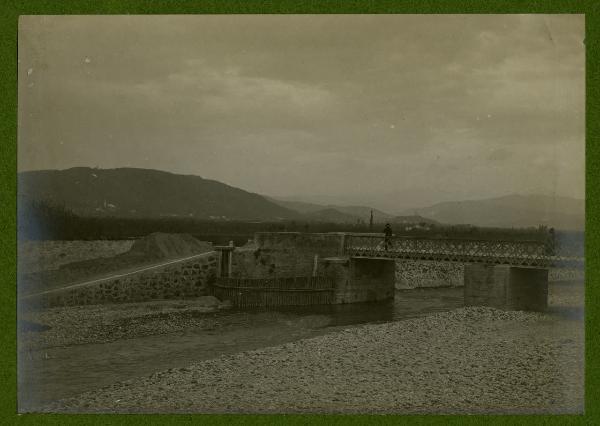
(514, 253)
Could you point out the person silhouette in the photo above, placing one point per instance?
(388, 234)
(551, 243)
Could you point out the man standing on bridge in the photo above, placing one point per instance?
(387, 231)
(551, 243)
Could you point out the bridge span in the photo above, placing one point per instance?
(362, 267)
(494, 252)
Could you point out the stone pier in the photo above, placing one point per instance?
(506, 287)
(360, 279)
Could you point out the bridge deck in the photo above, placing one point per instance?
(515, 253)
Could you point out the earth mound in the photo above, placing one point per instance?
(160, 245)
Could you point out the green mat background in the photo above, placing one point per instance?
(8, 136)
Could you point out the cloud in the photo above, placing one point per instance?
(499, 155)
(325, 104)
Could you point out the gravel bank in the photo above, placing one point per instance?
(471, 360)
(74, 325)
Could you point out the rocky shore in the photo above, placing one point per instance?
(470, 360)
(73, 325)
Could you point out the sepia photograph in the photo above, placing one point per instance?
(301, 214)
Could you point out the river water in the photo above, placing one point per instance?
(68, 371)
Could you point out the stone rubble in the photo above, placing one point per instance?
(470, 360)
(72, 325)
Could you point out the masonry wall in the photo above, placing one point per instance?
(185, 279)
(566, 274)
(506, 287)
(360, 280)
(284, 254)
(412, 274)
(485, 285)
(527, 289)
(427, 273)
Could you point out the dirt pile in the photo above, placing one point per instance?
(37, 256)
(151, 248)
(167, 246)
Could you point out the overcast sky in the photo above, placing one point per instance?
(424, 107)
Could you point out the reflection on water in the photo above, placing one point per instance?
(68, 371)
(406, 304)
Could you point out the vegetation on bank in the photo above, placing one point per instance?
(41, 220)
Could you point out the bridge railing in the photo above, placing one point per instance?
(526, 253)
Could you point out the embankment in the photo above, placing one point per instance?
(159, 266)
(185, 278)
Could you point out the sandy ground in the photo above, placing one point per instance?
(470, 360)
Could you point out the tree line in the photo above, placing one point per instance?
(42, 220)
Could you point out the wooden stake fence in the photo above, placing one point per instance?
(258, 292)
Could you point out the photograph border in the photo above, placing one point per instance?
(10, 12)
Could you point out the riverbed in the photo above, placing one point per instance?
(55, 372)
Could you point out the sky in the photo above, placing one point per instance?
(399, 111)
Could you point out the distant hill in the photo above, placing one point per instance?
(510, 211)
(413, 219)
(330, 216)
(144, 193)
(358, 212)
(365, 213)
(132, 192)
(298, 206)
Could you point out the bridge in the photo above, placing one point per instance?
(362, 267)
(494, 252)
(293, 268)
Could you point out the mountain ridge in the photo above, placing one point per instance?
(138, 192)
(512, 210)
(358, 212)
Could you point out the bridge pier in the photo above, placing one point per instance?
(506, 287)
(360, 279)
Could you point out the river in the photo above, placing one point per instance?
(67, 371)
